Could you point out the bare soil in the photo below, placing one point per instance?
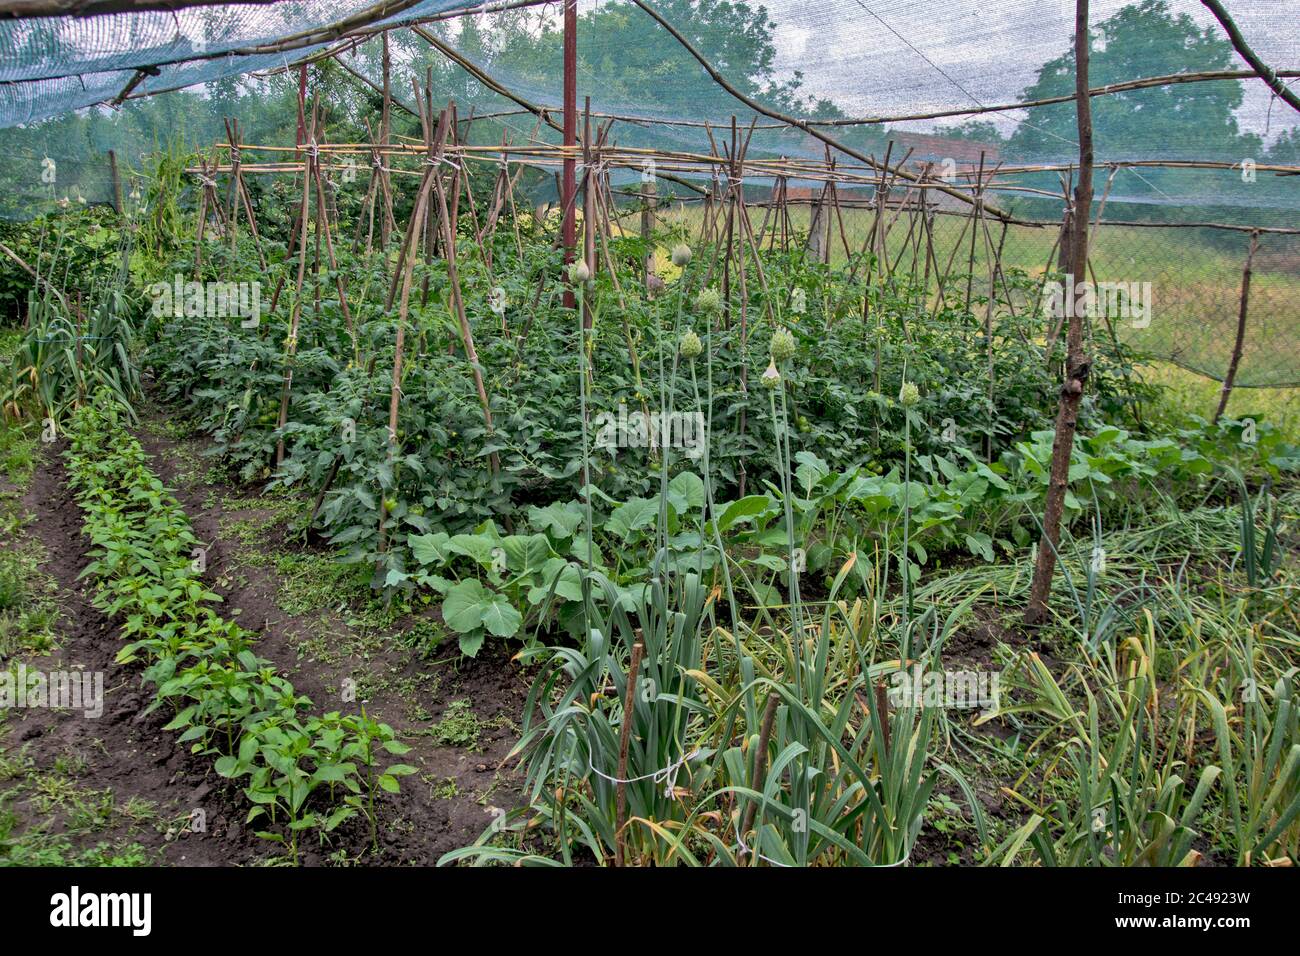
(453, 798)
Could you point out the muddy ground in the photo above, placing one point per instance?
(118, 788)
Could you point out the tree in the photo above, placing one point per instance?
(1142, 39)
(980, 131)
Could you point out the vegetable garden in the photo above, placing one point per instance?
(422, 515)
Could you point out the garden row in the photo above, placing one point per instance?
(510, 585)
(301, 772)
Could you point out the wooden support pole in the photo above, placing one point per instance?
(117, 182)
(625, 739)
(1077, 363)
(567, 183)
(1240, 340)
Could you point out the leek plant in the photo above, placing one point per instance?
(1260, 559)
(1125, 802)
(848, 776)
(70, 352)
(1261, 757)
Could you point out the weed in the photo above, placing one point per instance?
(459, 726)
(445, 788)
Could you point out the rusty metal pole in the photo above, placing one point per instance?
(568, 184)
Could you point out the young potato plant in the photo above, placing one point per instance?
(508, 585)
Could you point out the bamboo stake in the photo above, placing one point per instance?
(1062, 244)
(386, 224)
(588, 212)
(400, 288)
(975, 228)
(241, 197)
(324, 225)
(291, 344)
(647, 229)
(458, 304)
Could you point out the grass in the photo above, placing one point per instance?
(444, 788)
(17, 451)
(48, 818)
(18, 440)
(28, 610)
(1184, 392)
(39, 848)
(459, 726)
(268, 515)
(313, 582)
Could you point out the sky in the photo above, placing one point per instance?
(870, 57)
(876, 57)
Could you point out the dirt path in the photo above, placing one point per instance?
(120, 778)
(331, 638)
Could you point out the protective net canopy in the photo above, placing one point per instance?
(51, 65)
(1188, 163)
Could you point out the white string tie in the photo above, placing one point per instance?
(665, 775)
(744, 848)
